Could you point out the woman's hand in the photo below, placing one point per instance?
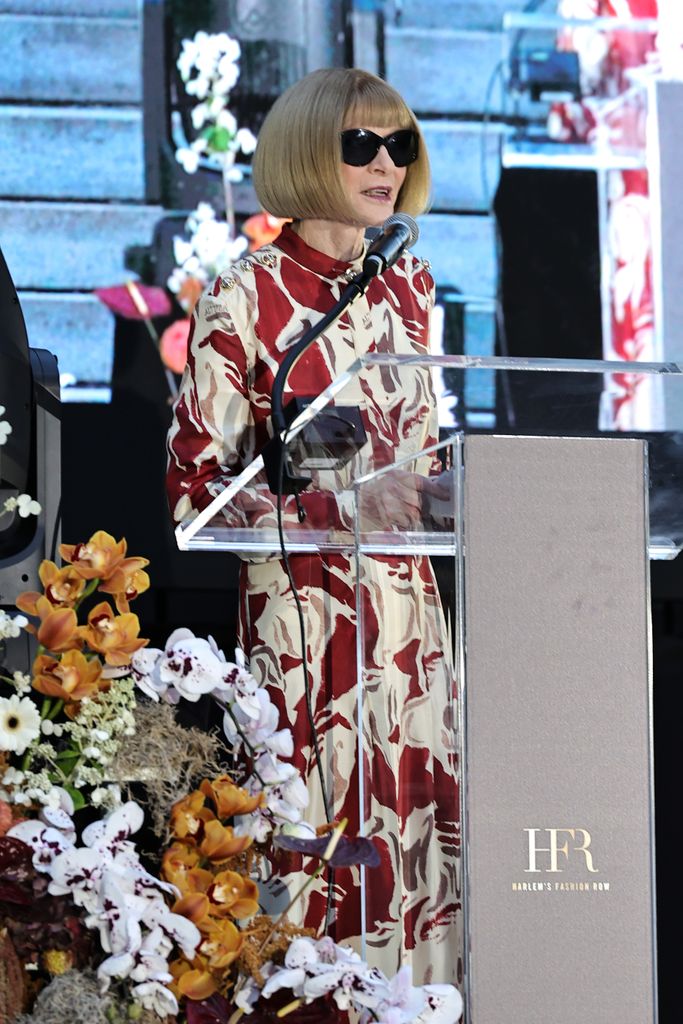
(392, 500)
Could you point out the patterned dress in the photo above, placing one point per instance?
(241, 330)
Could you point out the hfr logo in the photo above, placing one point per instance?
(558, 845)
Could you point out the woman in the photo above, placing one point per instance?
(339, 152)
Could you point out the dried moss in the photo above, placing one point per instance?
(73, 997)
(261, 944)
(166, 758)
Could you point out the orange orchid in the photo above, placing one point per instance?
(114, 636)
(198, 880)
(222, 945)
(63, 588)
(220, 843)
(263, 228)
(6, 817)
(228, 798)
(189, 815)
(233, 894)
(127, 582)
(71, 678)
(178, 861)
(191, 980)
(195, 907)
(98, 558)
(58, 629)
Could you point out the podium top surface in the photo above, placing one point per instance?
(529, 397)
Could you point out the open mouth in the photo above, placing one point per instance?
(380, 192)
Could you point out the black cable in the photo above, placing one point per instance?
(304, 645)
(307, 679)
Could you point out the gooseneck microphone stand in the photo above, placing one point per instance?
(281, 479)
(398, 233)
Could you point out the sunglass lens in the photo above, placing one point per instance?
(402, 147)
(359, 147)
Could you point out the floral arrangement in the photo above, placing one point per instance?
(92, 923)
(208, 66)
(209, 69)
(208, 250)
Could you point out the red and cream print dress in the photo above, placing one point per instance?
(241, 330)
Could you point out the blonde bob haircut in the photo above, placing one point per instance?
(297, 162)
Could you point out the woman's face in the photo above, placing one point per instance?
(372, 190)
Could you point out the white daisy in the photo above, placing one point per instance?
(19, 723)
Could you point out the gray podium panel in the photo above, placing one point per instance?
(559, 821)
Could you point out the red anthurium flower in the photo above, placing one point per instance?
(119, 300)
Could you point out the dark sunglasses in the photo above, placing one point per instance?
(360, 147)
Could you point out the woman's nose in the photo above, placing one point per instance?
(382, 161)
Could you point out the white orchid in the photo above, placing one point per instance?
(155, 996)
(400, 1002)
(188, 158)
(123, 902)
(192, 668)
(316, 968)
(77, 872)
(245, 140)
(110, 835)
(24, 504)
(253, 717)
(11, 625)
(349, 980)
(208, 66)
(47, 843)
(301, 955)
(209, 250)
(249, 993)
(443, 1005)
(5, 427)
(115, 917)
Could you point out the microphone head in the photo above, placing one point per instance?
(405, 221)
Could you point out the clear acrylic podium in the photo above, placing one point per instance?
(501, 595)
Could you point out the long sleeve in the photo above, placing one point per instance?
(222, 418)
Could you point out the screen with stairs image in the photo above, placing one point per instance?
(102, 164)
(87, 131)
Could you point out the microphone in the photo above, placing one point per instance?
(398, 232)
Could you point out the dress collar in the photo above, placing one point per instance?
(319, 262)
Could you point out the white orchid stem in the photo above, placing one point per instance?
(250, 748)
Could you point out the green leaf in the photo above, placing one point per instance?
(218, 139)
(67, 761)
(76, 796)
